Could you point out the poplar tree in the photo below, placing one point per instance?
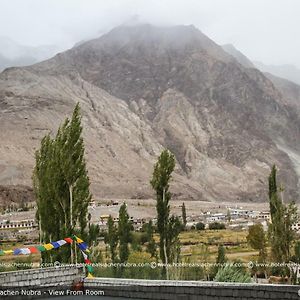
(281, 234)
(276, 228)
(124, 232)
(257, 240)
(46, 183)
(220, 262)
(183, 212)
(151, 246)
(275, 203)
(111, 238)
(161, 177)
(221, 258)
(61, 183)
(173, 243)
(73, 168)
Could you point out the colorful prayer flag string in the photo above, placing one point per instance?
(54, 245)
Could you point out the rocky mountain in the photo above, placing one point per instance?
(290, 91)
(15, 196)
(289, 72)
(143, 88)
(13, 54)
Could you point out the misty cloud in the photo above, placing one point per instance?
(265, 31)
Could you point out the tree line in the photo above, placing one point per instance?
(62, 188)
(61, 185)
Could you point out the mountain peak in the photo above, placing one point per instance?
(138, 34)
(143, 88)
(145, 60)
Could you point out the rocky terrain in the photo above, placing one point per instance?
(16, 195)
(143, 88)
(288, 72)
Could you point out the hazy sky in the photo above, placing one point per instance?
(264, 30)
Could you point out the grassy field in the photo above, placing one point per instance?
(196, 246)
(203, 245)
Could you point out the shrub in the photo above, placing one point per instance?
(232, 274)
(200, 226)
(191, 273)
(216, 225)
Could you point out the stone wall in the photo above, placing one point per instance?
(63, 277)
(190, 290)
(54, 276)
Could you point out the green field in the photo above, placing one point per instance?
(196, 246)
(202, 246)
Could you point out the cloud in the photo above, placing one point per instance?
(264, 30)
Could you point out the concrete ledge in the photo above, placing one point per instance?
(190, 290)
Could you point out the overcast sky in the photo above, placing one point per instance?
(264, 30)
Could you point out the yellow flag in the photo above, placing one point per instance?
(8, 251)
(90, 275)
(48, 246)
(79, 240)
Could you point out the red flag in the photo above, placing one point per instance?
(68, 240)
(33, 250)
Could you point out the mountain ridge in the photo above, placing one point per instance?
(143, 89)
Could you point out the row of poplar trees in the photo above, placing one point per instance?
(61, 186)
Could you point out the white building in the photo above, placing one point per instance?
(264, 215)
(216, 217)
(23, 224)
(239, 213)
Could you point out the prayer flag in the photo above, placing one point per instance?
(48, 246)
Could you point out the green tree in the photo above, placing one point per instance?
(280, 233)
(184, 221)
(73, 168)
(290, 218)
(220, 261)
(221, 258)
(94, 233)
(296, 256)
(111, 238)
(216, 226)
(151, 246)
(48, 185)
(161, 177)
(276, 229)
(124, 233)
(272, 185)
(61, 183)
(200, 226)
(172, 241)
(257, 240)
